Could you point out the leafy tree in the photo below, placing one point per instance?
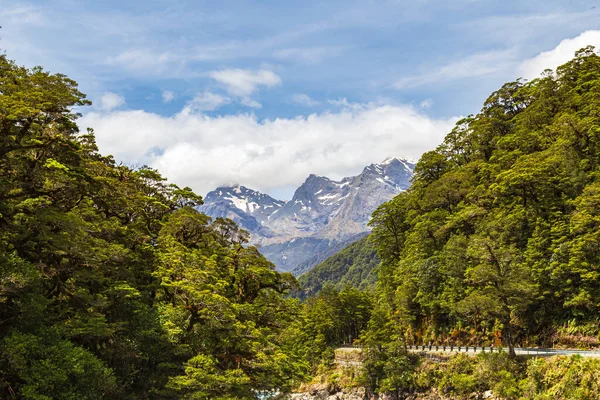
(111, 284)
(497, 237)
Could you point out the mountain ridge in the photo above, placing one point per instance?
(323, 214)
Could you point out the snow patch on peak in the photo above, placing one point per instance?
(328, 196)
(403, 160)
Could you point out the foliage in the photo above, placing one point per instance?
(111, 284)
(496, 242)
(355, 265)
(565, 378)
(507, 378)
(332, 317)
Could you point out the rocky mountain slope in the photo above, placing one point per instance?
(248, 208)
(322, 216)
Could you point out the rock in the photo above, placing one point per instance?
(322, 394)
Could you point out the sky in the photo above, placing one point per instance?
(264, 93)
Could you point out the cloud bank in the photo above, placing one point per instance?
(203, 152)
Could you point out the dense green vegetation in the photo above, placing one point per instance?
(327, 320)
(111, 284)
(498, 239)
(461, 376)
(355, 266)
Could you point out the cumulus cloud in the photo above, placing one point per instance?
(343, 103)
(167, 96)
(110, 101)
(203, 151)
(243, 83)
(562, 53)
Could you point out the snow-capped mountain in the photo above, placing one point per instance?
(247, 207)
(249, 201)
(322, 215)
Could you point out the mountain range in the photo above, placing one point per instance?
(322, 217)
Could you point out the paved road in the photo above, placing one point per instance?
(520, 351)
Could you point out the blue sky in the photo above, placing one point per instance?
(263, 93)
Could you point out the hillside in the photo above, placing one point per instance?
(497, 241)
(355, 265)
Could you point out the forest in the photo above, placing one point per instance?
(112, 284)
(354, 266)
(497, 241)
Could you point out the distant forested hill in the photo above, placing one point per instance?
(354, 266)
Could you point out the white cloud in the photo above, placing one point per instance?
(304, 100)
(562, 53)
(110, 101)
(536, 28)
(244, 82)
(476, 65)
(168, 96)
(203, 151)
(206, 101)
(504, 63)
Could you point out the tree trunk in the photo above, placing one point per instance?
(509, 340)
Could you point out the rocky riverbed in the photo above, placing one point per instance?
(360, 394)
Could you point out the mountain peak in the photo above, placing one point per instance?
(321, 213)
(389, 160)
(239, 203)
(236, 188)
(317, 178)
